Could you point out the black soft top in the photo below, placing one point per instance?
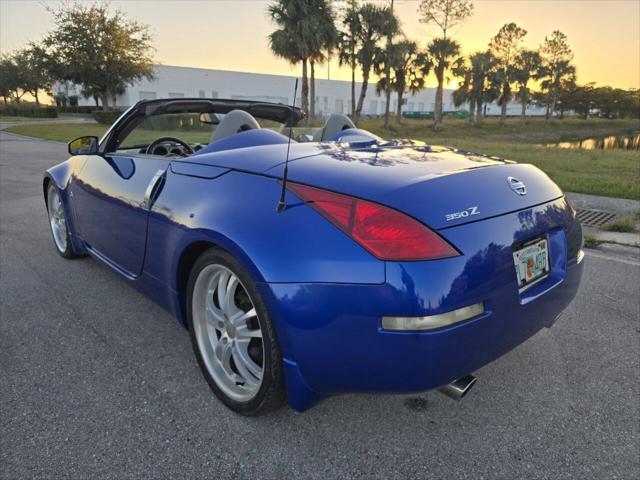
(278, 112)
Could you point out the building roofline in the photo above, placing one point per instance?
(292, 77)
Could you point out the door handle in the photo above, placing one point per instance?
(152, 189)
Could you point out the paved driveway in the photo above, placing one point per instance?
(98, 382)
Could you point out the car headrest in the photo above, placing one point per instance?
(234, 122)
(334, 125)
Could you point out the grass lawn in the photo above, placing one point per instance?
(614, 173)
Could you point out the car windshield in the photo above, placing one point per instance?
(196, 129)
(185, 126)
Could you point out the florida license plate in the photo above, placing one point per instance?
(532, 263)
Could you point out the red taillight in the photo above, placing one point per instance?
(386, 233)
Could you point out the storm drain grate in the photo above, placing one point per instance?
(594, 218)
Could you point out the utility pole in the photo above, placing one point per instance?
(387, 73)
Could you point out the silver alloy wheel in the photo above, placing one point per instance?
(57, 218)
(228, 332)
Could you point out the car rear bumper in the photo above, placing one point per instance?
(332, 338)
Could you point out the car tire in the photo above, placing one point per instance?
(58, 223)
(232, 335)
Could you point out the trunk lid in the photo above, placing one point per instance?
(440, 187)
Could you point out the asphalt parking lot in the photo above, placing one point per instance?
(96, 381)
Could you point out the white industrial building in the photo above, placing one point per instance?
(332, 96)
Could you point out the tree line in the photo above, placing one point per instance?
(367, 37)
(104, 52)
(100, 51)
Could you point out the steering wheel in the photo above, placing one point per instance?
(156, 143)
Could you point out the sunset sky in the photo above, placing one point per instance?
(232, 35)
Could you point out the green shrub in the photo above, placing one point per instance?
(591, 242)
(47, 112)
(106, 117)
(42, 112)
(429, 115)
(88, 109)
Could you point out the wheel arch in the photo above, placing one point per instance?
(299, 394)
(186, 261)
(60, 175)
(189, 254)
(45, 185)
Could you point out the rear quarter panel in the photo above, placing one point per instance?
(237, 212)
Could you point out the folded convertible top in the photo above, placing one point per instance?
(271, 111)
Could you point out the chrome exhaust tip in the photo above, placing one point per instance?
(458, 388)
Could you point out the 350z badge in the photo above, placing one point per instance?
(462, 214)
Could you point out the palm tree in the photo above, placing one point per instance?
(463, 94)
(348, 46)
(387, 74)
(443, 53)
(294, 39)
(446, 15)
(318, 58)
(527, 68)
(376, 23)
(324, 39)
(486, 83)
(407, 67)
(284, 46)
(479, 83)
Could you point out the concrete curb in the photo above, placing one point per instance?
(619, 206)
(622, 207)
(630, 239)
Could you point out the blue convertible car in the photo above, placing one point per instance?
(389, 266)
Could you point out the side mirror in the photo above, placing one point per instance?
(84, 146)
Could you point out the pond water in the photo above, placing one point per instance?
(612, 142)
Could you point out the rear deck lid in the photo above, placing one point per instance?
(439, 188)
(257, 158)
